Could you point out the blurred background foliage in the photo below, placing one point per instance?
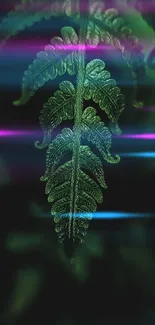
(112, 278)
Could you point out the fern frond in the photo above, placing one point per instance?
(63, 144)
(94, 130)
(89, 161)
(96, 9)
(56, 60)
(58, 108)
(71, 224)
(112, 29)
(128, 43)
(63, 174)
(93, 36)
(72, 9)
(103, 90)
(25, 15)
(74, 185)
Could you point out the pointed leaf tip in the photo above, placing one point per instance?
(25, 97)
(45, 142)
(21, 101)
(16, 102)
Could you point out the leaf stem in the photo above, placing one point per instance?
(77, 121)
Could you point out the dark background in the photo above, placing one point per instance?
(130, 188)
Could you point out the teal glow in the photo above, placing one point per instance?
(145, 154)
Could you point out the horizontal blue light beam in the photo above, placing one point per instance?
(145, 154)
(109, 215)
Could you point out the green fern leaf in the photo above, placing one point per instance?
(58, 108)
(25, 15)
(112, 29)
(74, 187)
(93, 36)
(68, 225)
(61, 145)
(95, 131)
(96, 9)
(56, 60)
(63, 174)
(64, 144)
(72, 8)
(89, 161)
(103, 90)
(127, 40)
(71, 224)
(114, 26)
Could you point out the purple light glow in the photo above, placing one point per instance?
(15, 133)
(145, 136)
(26, 133)
(145, 6)
(31, 46)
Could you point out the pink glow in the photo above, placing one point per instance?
(15, 133)
(146, 6)
(32, 47)
(29, 46)
(26, 133)
(145, 136)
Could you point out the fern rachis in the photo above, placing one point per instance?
(74, 194)
(77, 127)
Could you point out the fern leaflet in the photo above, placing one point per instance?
(56, 60)
(30, 12)
(72, 224)
(103, 90)
(58, 108)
